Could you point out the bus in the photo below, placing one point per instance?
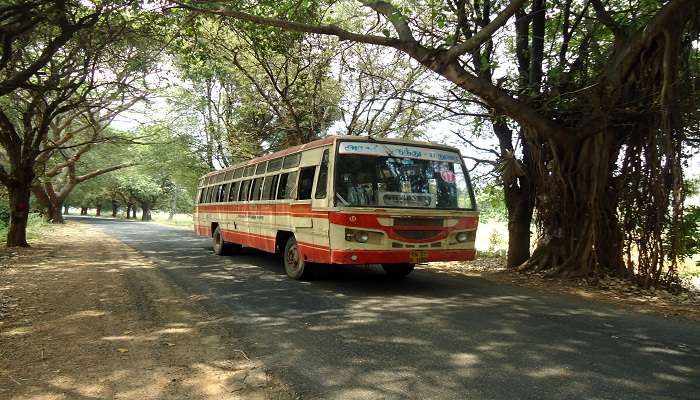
(344, 200)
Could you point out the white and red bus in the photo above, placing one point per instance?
(344, 200)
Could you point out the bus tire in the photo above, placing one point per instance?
(294, 265)
(221, 247)
(398, 271)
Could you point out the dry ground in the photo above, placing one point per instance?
(84, 316)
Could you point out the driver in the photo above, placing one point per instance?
(360, 193)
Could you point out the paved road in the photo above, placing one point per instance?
(352, 334)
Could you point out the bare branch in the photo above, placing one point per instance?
(331, 30)
(485, 33)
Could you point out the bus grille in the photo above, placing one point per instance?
(416, 235)
(418, 222)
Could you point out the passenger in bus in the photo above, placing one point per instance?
(360, 193)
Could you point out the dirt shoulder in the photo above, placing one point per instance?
(84, 316)
(663, 301)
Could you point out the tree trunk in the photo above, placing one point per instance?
(173, 206)
(98, 211)
(54, 214)
(128, 211)
(145, 212)
(577, 205)
(19, 214)
(115, 208)
(83, 210)
(519, 203)
(66, 209)
(518, 192)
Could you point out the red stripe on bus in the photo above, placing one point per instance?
(361, 221)
(323, 254)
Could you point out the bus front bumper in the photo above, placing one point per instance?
(399, 256)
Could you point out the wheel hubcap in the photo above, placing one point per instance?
(292, 257)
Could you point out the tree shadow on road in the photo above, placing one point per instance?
(353, 333)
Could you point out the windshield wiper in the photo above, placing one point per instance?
(389, 153)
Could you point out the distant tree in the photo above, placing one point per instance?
(79, 50)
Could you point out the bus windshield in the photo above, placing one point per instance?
(387, 175)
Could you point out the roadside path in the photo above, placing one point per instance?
(88, 317)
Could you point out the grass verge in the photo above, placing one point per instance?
(37, 227)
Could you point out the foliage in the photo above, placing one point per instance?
(489, 199)
(250, 95)
(590, 86)
(690, 223)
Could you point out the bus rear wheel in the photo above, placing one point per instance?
(294, 264)
(398, 271)
(221, 247)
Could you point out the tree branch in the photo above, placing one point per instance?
(485, 33)
(99, 172)
(331, 30)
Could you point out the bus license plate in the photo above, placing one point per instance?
(418, 256)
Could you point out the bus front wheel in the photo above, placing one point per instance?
(294, 264)
(221, 247)
(398, 270)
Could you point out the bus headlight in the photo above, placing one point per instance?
(361, 236)
(462, 237)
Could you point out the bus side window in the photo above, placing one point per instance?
(322, 184)
(220, 196)
(256, 189)
(287, 186)
(212, 194)
(306, 182)
(243, 195)
(200, 195)
(269, 187)
(223, 197)
(233, 196)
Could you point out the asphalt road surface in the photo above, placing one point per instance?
(353, 334)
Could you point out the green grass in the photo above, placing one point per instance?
(182, 220)
(36, 228)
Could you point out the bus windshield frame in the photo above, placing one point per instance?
(398, 176)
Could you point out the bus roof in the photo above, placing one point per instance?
(323, 142)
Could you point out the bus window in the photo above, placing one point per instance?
(200, 195)
(256, 189)
(238, 173)
(260, 169)
(223, 196)
(243, 195)
(306, 182)
(210, 189)
(291, 160)
(269, 187)
(249, 170)
(274, 165)
(322, 184)
(287, 186)
(233, 195)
